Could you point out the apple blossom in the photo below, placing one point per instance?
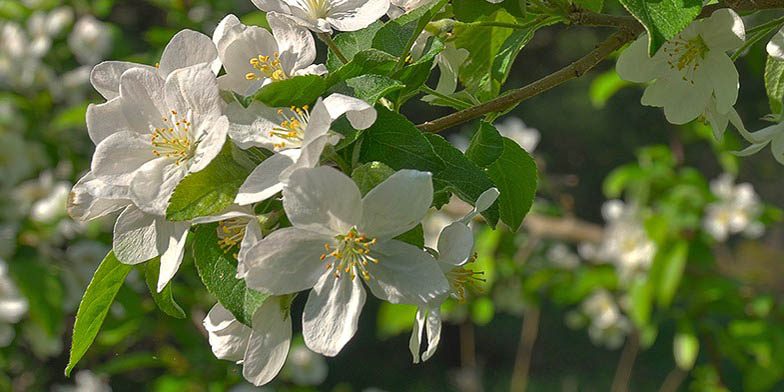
(297, 134)
(689, 69)
(90, 40)
(254, 57)
(337, 236)
(515, 129)
(325, 15)
(735, 211)
(237, 226)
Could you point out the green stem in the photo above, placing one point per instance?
(750, 41)
(460, 105)
(324, 37)
(775, 22)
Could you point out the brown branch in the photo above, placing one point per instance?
(628, 30)
(626, 363)
(528, 335)
(567, 229)
(673, 381)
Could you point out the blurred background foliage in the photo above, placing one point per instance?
(557, 307)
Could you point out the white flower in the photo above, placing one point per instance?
(304, 367)
(185, 49)
(448, 61)
(608, 325)
(138, 236)
(625, 242)
(157, 132)
(515, 129)
(455, 246)
(58, 19)
(52, 206)
(261, 350)
(324, 15)
(12, 304)
(253, 57)
(298, 134)
(562, 257)
(735, 211)
(90, 40)
(86, 381)
(689, 69)
(339, 239)
(772, 134)
(775, 47)
(237, 226)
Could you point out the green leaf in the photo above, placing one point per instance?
(514, 174)
(370, 174)
(415, 236)
(604, 86)
(218, 270)
(396, 142)
(351, 43)
(415, 75)
(394, 319)
(641, 302)
(663, 19)
(42, 288)
(507, 53)
(667, 271)
(484, 43)
(472, 10)
(95, 304)
(164, 299)
(396, 36)
(486, 145)
(685, 346)
(369, 88)
(369, 61)
(212, 189)
(591, 5)
(297, 91)
(774, 83)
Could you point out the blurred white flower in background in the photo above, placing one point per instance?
(562, 256)
(86, 381)
(90, 40)
(735, 211)
(14, 161)
(304, 367)
(515, 129)
(608, 326)
(625, 242)
(12, 305)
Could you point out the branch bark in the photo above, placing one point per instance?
(623, 373)
(528, 335)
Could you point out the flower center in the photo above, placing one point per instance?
(352, 254)
(317, 9)
(231, 231)
(291, 130)
(267, 67)
(686, 55)
(173, 140)
(461, 278)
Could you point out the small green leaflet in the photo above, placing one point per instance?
(218, 270)
(164, 299)
(95, 304)
(663, 19)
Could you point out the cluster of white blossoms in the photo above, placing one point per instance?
(736, 210)
(607, 325)
(162, 123)
(625, 242)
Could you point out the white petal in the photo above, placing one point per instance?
(359, 113)
(309, 156)
(397, 204)
(685, 101)
(315, 69)
(723, 30)
(319, 122)
(455, 244)
(91, 198)
(194, 88)
(449, 62)
(433, 332)
(154, 183)
(248, 44)
(750, 150)
(269, 343)
(118, 156)
(171, 245)
(263, 182)
(323, 200)
(232, 211)
(185, 49)
(405, 274)
(250, 127)
(717, 122)
(483, 202)
(105, 77)
(225, 28)
(228, 337)
(134, 236)
(252, 236)
(142, 92)
(634, 64)
(272, 5)
(775, 47)
(332, 312)
(106, 119)
(210, 145)
(415, 342)
(352, 15)
(295, 44)
(286, 261)
(724, 78)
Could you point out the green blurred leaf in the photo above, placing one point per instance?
(482, 311)
(514, 174)
(218, 269)
(394, 319)
(44, 293)
(212, 189)
(685, 346)
(662, 19)
(164, 299)
(667, 271)
(604, 86)
(95, 304)
(72, 117)
(774, 83)
(297, 91)
(641, 302)
(486, 145)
